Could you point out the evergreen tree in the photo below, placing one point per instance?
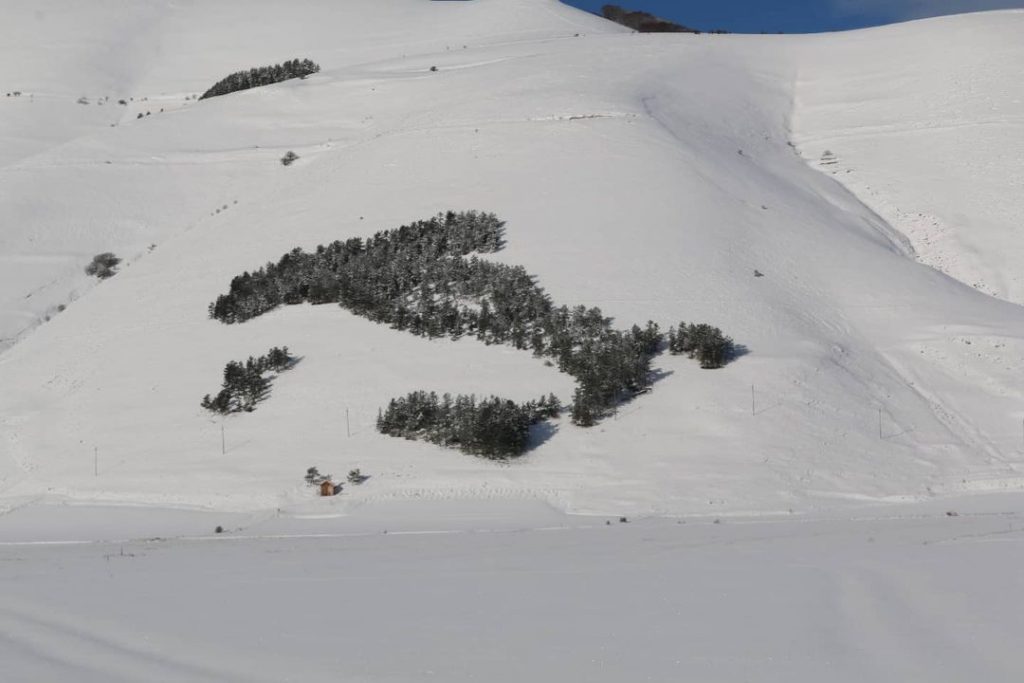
(582, 412)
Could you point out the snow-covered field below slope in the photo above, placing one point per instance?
(513, 592)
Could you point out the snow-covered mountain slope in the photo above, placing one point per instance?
(154, 53)
(156, 56)
(925, 123)
(648, 175)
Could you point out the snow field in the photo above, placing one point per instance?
(907, 593)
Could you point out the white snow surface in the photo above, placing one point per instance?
(933, 140)
(648, 175)
(898, 594)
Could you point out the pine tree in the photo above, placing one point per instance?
(582, 411)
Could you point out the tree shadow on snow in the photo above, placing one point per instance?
(658, 374)
(738, 351)
(541, 433)
(295, 360)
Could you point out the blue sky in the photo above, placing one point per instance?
(796, 16)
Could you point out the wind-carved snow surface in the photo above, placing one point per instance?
(648, 175)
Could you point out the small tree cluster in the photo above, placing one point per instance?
(246, 384)
(314, 478)
(701, 341)
(264, 75)
(356, 477)
(610, 367)
(492, 427)
(545, 408)
(103, 265)
(643, 22)
(289, 158)
(277, 359)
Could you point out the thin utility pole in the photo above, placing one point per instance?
(348, 425)
(752, 402)
(879, 423)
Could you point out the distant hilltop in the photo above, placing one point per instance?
(645, 22)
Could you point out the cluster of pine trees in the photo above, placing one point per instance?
(705, 343)
(264, 75)
(492, 427)
(410, 277)
(418, 278)
(425, 279)
(246, 384)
